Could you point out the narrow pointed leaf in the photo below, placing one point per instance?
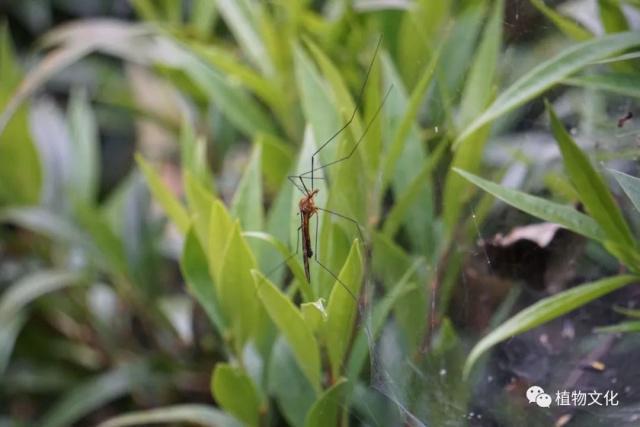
(590, 186)
(187, 414)
(626, 84)
(342, 308)
(630, 185)
(569, 27)
(171, 205)
(544, 311)
(195, 269)
(235, 393)
(326, 410)
(291, 324)
(541, 208)
(550, 73)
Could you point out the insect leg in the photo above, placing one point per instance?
(291, 179)
(355, 146)
(353, 114)
(336, 278)
(353, 221)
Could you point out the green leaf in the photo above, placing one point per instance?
(590, 186)
(197, 414)
(289, 385)
(172, 207)
(408, 121)
(236, 104)
(235, 289)
(480, 80)
(326, 410)
(628, 312)
(569, 27)
(247, 200)
(146, 10)
(342, 309)
(612, 17)
(623, 327)
(84, 137)
(317, 105)
(200, 201)
(32, 287)
(408, 197)
(291, 324)
(345, 103)
(228, 62)
(314, 315)
(193, 156)
(545, 310)
(630, 185)
(566, 216)
(52, 63)
(20, 167)
(9, 331)
(550, 73)
(203, 17)
(220, 226)
(238, 15)
(626, 84)
(95, 393)
(292, 262)
(361, 345)
(195, 269)
(419, 219)
(235, 393)
(277, 159)
(476, 96)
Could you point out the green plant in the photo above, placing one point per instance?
(244, 92)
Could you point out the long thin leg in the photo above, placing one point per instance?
(315, 249)
(274, 269)
(348, 219)
(355, 146)
(336, 278)
(292, 180)
(353, 114)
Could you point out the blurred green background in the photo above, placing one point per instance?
(147, 223)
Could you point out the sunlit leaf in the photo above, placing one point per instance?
(20, 165)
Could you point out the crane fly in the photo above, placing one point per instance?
(307, 207)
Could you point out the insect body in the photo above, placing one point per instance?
(307, 209)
